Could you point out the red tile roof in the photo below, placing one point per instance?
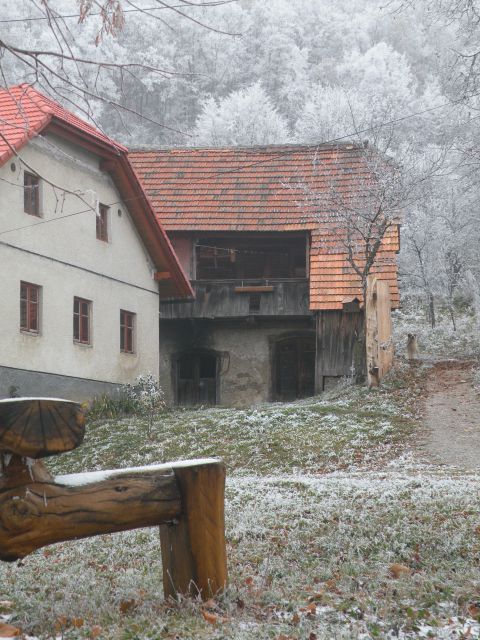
(25, 113)
(263, 189)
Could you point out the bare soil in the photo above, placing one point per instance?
(451, 434)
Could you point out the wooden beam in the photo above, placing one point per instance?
(162, 275)
(254, 289)
(186, 499)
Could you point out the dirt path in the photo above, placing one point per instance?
(452, 417)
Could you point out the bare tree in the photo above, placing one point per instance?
(357, 221)
(81, 81)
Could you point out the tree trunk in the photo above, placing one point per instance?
(431, 308)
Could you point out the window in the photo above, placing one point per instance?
(81, 320)
(29, 307)
(102, 223)
(31, 194)
(127, 331)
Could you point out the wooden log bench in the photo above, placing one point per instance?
(186, 499)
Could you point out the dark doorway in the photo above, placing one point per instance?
(294, 366)
(196, 378)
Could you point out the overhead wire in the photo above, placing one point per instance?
(292, 151)
(213, 3)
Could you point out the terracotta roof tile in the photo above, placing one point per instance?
(262, 189)
(25, 112)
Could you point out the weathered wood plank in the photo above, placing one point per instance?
(193, 548)
(338, 334)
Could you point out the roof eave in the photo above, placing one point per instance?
(115, 161)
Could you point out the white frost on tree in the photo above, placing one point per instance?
(245, 117)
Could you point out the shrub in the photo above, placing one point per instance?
(143, 398)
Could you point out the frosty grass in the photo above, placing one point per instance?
(322, 498)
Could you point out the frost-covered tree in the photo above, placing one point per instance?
(245, 117)
(329, 113)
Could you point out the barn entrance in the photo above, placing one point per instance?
(294, 368)
(196, 378)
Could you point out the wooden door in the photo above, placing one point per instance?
(197, 379)
(295, 368)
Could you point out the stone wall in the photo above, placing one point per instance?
(245, 350)
(47, 385)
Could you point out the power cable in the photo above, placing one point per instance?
(77, 15)
(289, 152)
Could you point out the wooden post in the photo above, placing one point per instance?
(379, 344)
(193, 547)
(371, 336)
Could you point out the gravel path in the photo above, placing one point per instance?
(452, 417)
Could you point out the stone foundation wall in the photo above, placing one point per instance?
(244, 349)
(36, 384)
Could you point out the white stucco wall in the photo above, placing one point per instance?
(114, 275)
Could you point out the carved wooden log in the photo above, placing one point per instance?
(36, 510)
(35, 514)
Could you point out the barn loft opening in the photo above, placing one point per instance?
(247, 257)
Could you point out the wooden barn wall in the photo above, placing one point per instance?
(338, 336)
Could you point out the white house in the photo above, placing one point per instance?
(83, 260)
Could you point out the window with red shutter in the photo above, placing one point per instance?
(29, 307)
(81, 320)
(102, 222)
(127, 331)
(31, 194)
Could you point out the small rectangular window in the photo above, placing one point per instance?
(127, 331)
(29, 307)
(102, 222)
(31, 194)
(81, 320)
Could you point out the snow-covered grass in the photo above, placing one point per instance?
(313, 537)
(347, 426)
(308, 554)
(441, 342)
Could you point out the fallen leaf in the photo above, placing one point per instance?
(474, 609)
(77, 622)
(398, 570)
(7, 631)
(316, 597)
(210, 604)
(312, 636)
(95, 631)
(127, 605)
(61, 623)
(212, 618)
(295, 618)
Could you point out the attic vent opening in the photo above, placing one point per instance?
(254, 303)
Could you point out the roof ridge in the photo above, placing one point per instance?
(257, 148)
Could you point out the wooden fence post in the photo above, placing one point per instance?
(379, 343)
(193, 547)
